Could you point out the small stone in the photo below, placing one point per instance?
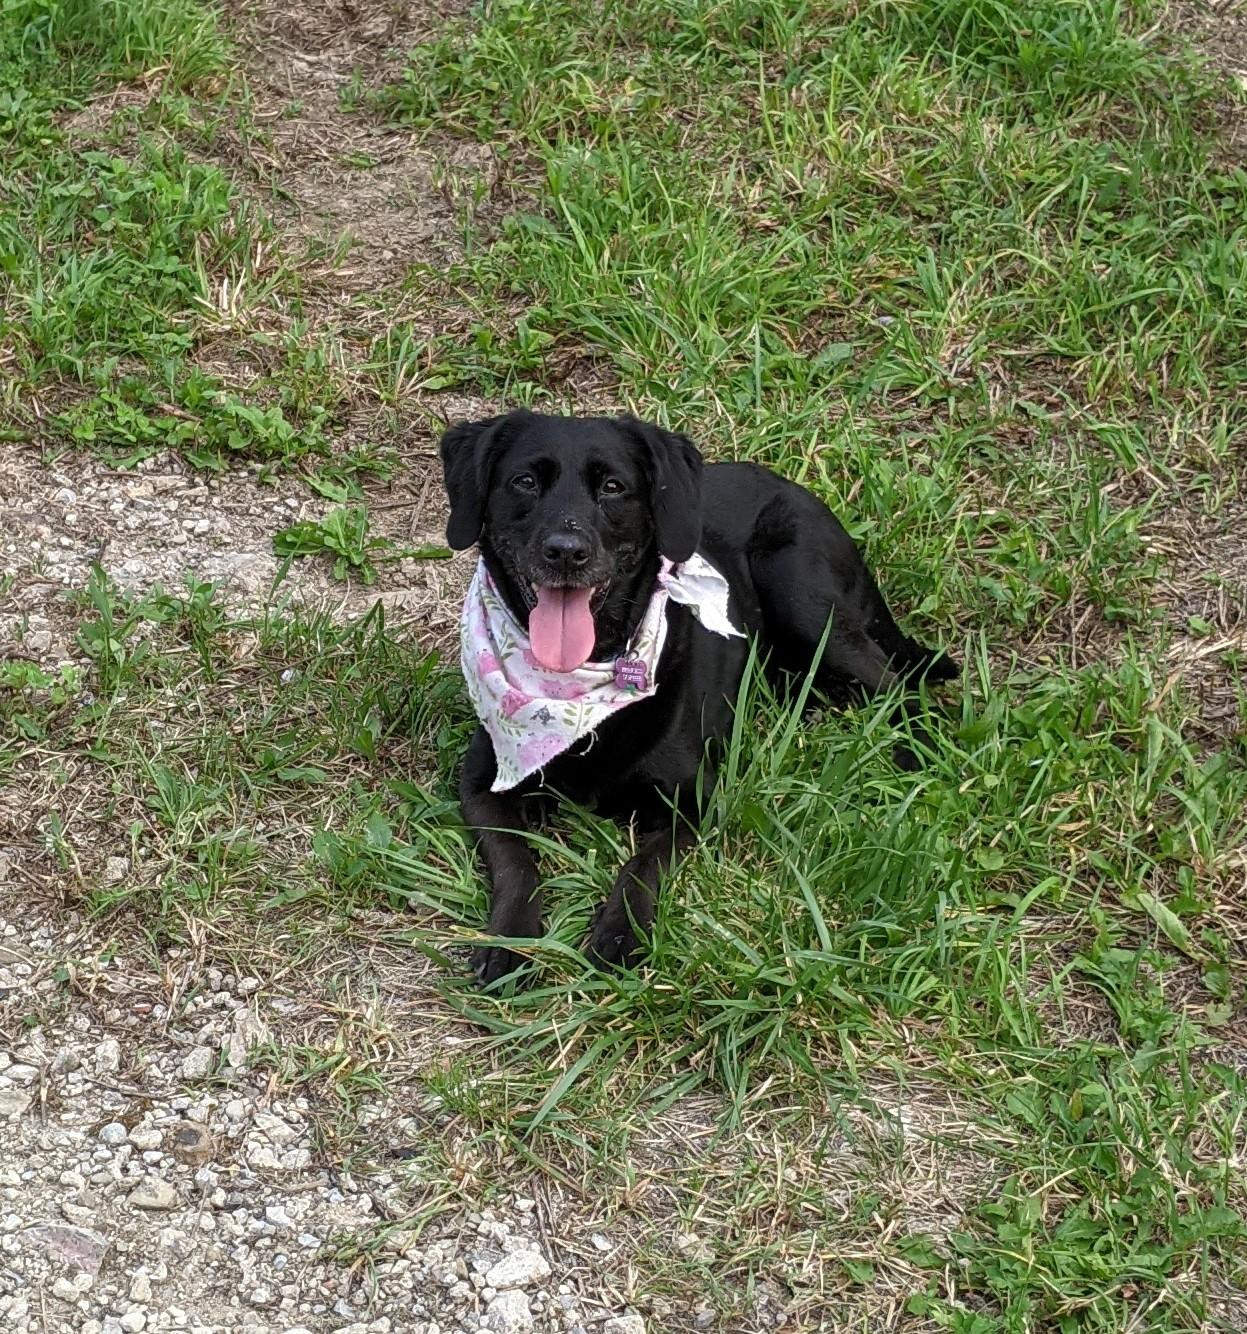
(508, 1313)
(66, 1061)
(82, 1247)
(262, 1295)
(518, 1270)
(248, 1033)
(198, 1063)
(192, 1143)
(64, 1291)
(115, 870)
(133, 1321)
(274, 1129)
(13, 1102)
(146, 1138)
(22, 1074)
(691, 1245)
(114, 1134)
(262, 1155)
(140, 1287)
(153, 1193)
(77, 1213)
(628, 1323)
(108, 1057)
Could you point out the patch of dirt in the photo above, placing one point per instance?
(159, 1173)
(389, 195)
(1217, 29)
(1204, 592)
(163, 524)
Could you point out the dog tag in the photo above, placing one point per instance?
(631, 674)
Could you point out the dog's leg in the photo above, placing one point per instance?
(497, 822)
(613, 938)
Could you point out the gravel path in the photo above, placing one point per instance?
(150, 1179)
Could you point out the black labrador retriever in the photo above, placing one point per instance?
(578, 521)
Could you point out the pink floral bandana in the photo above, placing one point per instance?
(533, 714)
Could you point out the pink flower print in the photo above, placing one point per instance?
(513, 701)
(540, 751)
(564, 689)
(486, 663)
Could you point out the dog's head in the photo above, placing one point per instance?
(572, 515)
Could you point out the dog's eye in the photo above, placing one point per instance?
(524, 481)
(612, 487)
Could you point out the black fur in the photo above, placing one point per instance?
(516, 479)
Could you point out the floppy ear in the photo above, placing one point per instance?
(674, 466)
(468, 452)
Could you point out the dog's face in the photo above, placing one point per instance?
(571, 515)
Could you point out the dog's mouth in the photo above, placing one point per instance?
(561, 629)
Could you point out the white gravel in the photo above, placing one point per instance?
(161, 524)
(135, 1196)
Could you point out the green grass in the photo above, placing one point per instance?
(973, 272)
(1064, 848)
(124, 256)
(102, 251)
(965, 264)
(871, 201)
(344, 534)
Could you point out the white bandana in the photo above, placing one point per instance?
(533, 713)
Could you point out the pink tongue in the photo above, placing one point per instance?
(561, 629)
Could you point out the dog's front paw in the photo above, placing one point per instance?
(612, 942)
(492, 963)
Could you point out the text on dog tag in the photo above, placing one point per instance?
(631, 674)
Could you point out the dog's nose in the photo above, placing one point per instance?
(568, 550)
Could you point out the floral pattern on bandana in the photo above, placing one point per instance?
(533, 714)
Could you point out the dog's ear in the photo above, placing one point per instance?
(469, 452)
(673, 463)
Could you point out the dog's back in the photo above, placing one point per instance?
(803, 569)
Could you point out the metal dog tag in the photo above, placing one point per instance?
(631, 674)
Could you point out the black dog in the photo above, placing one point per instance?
(573, 518)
